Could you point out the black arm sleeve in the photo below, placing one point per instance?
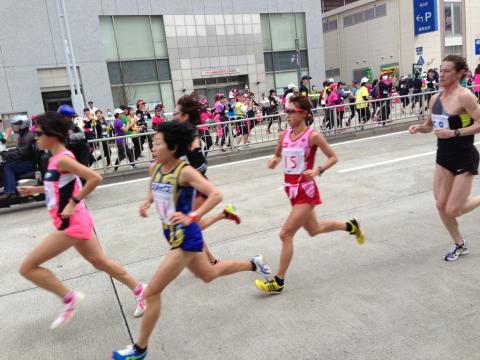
(197, 160)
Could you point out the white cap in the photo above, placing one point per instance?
(364, 80)
(291, 86)
(117, 111)
(331, 80)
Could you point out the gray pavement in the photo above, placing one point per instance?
(392, 298)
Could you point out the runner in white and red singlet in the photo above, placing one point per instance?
(296, 148)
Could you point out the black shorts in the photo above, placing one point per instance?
(466, 162)
(405, 101)
(242, 127)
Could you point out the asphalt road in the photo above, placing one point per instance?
(392, 298)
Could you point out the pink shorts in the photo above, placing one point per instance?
(79, 226)
(302, 197)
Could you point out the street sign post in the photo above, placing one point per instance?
(425, 16)
(417, 68)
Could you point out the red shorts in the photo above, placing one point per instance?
(302, 197)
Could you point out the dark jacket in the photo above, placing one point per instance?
(78, 145)
(24, 150)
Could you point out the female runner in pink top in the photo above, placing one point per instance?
(296, 149)
(64, 198)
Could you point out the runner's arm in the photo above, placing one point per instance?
(277, 156)
(190, 177)
(427, 125)
(469, 102)
(319, 141)
(145, 205)
(68, 164)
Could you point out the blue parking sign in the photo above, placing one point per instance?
(477, 46)
(425, 16)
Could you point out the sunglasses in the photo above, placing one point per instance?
(293, 111)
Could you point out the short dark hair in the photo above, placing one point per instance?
(176, 135)
(53, 124)
(459, 63)
(190, 105)
(86, 109)
(98, 111)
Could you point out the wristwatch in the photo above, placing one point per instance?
(456, 132)
(75, 200)
(320, 171)
(194, 216)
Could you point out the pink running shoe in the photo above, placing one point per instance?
(68, 311)
(141, 305)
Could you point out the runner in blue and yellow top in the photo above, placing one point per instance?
(170, 197)
(173, 186)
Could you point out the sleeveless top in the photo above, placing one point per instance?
(443, 120)
(168, 195)
(60, 187)
(297, 156)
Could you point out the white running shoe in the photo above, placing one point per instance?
(141, 305)
(68, 311)
(261, 265)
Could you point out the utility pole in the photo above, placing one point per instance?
(71, 65)
(297, 58)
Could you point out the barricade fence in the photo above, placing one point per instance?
(235, 134)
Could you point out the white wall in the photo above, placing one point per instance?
(472, 18)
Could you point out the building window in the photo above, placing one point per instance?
(332, 73)
(328, 5)
(365, 15)
(137, 60)
(329, 25)
(358, 74)
(454, 50)
(280, 32)
(453, 19)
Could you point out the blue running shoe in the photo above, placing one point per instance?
(130, 353)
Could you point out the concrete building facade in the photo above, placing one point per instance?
(368, 35)
(156, 50)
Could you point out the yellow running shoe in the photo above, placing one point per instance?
(269, 286)
(359, 236)
(231, 213)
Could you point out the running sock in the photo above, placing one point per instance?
(279, 281)
(254, 267)
(69, 297)
(139, 349)
(138, 289)
(349, 227)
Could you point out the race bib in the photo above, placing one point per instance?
(440, 121)
(49, 195)
(293, 161)
(164, 202)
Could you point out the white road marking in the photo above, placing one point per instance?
(258, 158)
(343, 171)
(385, 162)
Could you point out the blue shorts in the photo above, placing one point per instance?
(188, 238)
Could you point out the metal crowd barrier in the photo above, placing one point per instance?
(113, 153)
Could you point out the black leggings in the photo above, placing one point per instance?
(207, 139)
(271, 119)
(363, 115)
